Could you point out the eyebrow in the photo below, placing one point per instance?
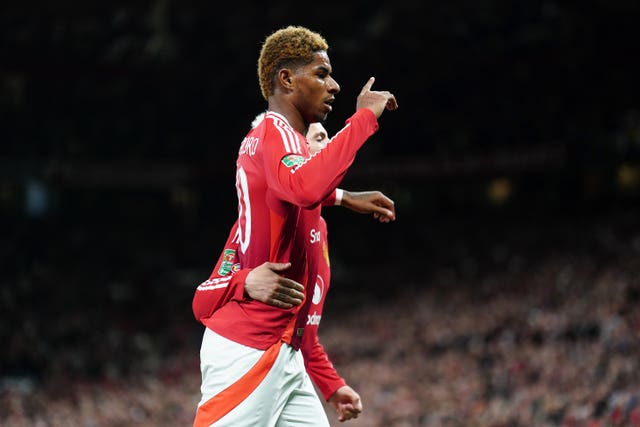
(322, 68)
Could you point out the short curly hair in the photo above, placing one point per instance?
(288, 46)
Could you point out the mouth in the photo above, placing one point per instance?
(328, 102)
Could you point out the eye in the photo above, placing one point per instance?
(323, 74)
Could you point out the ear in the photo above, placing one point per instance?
(285, 79)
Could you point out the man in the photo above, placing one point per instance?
(252, 373)
(214, 292)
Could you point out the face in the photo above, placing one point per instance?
(315, 89)
(317, 137)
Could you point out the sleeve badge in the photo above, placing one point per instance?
(292, 160)
(226, 266)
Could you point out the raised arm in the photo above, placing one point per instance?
(306, 179)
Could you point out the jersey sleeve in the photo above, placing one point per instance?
(319, 367)
(225, 283)
(317, 362)
(306, 180)
(331, 199)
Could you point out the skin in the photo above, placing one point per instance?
(264, 283)
(317, 137)
(304, 96)
(375, 202)
(363, 202)
(287, 293)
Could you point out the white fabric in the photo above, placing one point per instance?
(285, 398)
(339, 193)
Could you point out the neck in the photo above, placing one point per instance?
(291, 113)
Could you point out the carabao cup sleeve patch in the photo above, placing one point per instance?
(291, 160)
(227, 262)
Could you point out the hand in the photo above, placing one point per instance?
(375, 101)
(264, 284)
(346, 402)
(375, 202)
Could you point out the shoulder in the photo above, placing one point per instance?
(277, 129)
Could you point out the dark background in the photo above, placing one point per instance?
(518, 129)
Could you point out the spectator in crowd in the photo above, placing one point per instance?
(546, 338)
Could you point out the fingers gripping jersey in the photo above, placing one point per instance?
(277, 179)
(226, 281)
(226, 284)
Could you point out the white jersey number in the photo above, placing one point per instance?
(243, 235)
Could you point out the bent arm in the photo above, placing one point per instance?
(225, 283)
(229, 282)
(306, 180)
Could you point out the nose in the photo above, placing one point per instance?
(334, 87)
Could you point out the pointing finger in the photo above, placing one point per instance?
(367, 85)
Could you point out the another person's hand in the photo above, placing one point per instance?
(346, 402)
(376, 101)
(366, 202)
(264, 284)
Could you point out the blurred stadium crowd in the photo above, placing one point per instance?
(507, 293)
(516, 330)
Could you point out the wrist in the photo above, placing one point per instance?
(339, 196)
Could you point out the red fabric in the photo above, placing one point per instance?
(330, 200)
(224, 284)
(317, 363)
(277, 176)
(207, 299)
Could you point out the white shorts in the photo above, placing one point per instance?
(243, 386)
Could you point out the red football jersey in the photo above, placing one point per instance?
(280, 189)
(226, 283)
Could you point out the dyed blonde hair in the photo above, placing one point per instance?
(290, 46)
